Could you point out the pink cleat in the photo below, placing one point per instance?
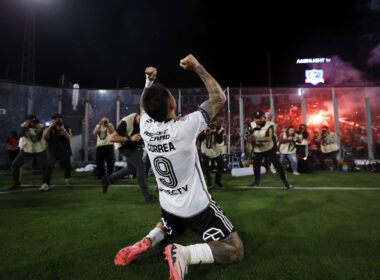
(177, 261)
(128, 254)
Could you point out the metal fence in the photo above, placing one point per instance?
(352, 112)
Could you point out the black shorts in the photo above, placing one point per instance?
(212, 224)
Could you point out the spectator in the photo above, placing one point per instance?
(58, 136)
(33, 146)
(288, 140)
(104, 147)
(315, 147)
(301, 146)
(329, 148)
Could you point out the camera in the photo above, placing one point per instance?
(105, 122)
(212, 126)
(58, 123)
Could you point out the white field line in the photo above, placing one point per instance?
(36, 188)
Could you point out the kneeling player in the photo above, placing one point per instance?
(184, 198)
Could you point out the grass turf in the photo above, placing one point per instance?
(297, 234)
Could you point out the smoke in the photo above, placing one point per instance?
(340, 72)
(374, 56)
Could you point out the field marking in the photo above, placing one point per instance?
(37, 187)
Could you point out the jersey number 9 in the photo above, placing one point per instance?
(164, 168)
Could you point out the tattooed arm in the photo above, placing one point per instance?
(228, 251)
(216, 95)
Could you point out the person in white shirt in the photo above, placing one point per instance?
(183, 195)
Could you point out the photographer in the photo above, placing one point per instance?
(33, 146)
(210, 139)
(301, 146)
(315, 147)
(329, 148)
(128, 139)
(104, 147)
(288, 140)
(58, 136)
(261, 136)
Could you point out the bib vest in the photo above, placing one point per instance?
(262, 146)
(104, 137)
(30, 142)
(209, 147)
(129, 120)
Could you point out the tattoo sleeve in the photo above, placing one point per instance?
(216, 95)
(227, 251)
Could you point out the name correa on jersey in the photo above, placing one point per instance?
(161, 148)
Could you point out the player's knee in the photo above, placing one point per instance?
(238, 248)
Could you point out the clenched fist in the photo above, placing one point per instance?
(151, 72)
(189, 63)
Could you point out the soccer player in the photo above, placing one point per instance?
(184, 199)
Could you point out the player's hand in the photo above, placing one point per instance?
(151, 72)
(136, 137)
(189, 63)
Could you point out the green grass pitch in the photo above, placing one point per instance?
(288, 234)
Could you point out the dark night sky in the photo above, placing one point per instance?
(95, 42)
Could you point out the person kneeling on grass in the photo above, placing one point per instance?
(184, 199)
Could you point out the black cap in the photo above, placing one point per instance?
(58, 115)
(32, 118)
(258, 114)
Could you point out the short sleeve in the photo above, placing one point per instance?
(195, 122)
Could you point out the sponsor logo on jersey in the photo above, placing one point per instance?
(185, 118)
(178, 191)
(157, 136)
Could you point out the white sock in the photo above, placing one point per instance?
(198, 253)
(156, 235)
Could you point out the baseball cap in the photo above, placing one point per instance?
(32, 118)
(258, 114)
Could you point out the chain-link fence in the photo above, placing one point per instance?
(352, 112)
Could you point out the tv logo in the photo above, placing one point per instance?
(314, 76)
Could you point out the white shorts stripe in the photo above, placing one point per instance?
(221, 213)
(222, 217)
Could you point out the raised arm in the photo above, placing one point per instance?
(151, 74)
(216, 95)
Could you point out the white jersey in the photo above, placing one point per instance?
(174, 158)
